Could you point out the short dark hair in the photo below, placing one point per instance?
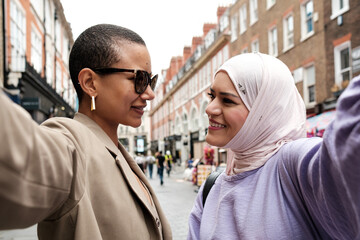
(97, 47)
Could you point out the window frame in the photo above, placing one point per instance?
(337, 63)
(273, 45)
(255, 44)
(234, 27)
(17, 36)
(304, 19)
(254, 11)
(270, 3)
(36, 49)
(336, 10)
(286, 34)
(306, 86)
(243, 18)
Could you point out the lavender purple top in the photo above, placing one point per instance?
(310, 189)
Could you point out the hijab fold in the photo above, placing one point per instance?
(277, 112)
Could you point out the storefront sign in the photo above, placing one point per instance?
(30, 103)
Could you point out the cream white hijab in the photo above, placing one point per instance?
(277, 112)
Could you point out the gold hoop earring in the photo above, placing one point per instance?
(92, 108)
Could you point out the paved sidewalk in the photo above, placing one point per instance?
(176, 197)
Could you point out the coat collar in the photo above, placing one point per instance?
(124, 161)
(97, 130)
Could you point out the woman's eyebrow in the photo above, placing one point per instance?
(229, 94)
(225, 93)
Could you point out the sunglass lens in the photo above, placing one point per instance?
(153, 82)
(140, 82)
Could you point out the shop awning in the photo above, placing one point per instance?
(319, 122)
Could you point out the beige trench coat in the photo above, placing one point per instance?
(71, 178)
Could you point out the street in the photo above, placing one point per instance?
(176, 197)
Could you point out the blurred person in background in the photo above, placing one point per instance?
(150, 160)
(140, 160)
(160, 163)
(168, 162)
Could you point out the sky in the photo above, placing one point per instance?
(166, 26)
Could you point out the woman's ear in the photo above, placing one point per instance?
(87, 79)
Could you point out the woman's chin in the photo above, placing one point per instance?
(213, 141)
(135, 124)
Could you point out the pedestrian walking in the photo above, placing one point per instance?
(140, 160)
(168, 161)
(150, 160)
(278, 184)
(160, 163)
(72, 176)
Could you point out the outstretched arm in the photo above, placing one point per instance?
(35, 166)
(331, 186)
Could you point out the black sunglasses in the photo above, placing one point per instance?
(142, 78)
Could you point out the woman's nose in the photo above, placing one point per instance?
(148, 94)
(212, 109)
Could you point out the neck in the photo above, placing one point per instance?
(109, 129)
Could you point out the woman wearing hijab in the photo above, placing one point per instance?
(72, 176)
(278, 184)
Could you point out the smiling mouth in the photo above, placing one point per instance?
(217, 125)
(139, 107)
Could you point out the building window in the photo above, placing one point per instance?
(224, 21)
(253, 11)
(219, 59)
(255, 45)
(214, 68)
(185, 124)
(204, 117)
(178, 126)
(65, 49)
(273, 42)
(66, 89)
(245, 50)
(58, 86)
(307, 23)
(243, 18)
(208, 73)
(194, 121)
(204, 73)
(36, 50)
(58, 35)
(342, 64)
(234, 29)
(288, 23)
(49, 15)
(270, 3)
(226, 52)
(309, 85)
(17, 37)
(339, 7)
(49, 69)
(38, 7)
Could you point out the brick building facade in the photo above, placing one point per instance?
(318, 40)
(38, 39)
(178, 122)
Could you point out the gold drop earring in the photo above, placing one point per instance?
(92, 108)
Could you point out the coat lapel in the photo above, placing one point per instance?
(123, 160)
